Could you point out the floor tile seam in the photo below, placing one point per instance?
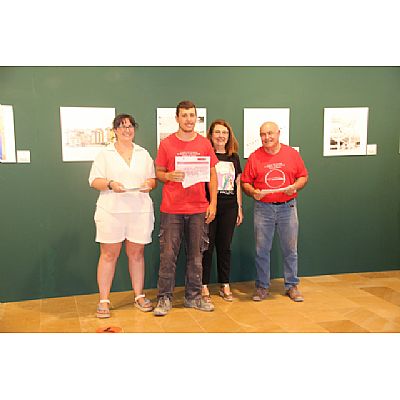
(361, 310)
(369, 326)
(241, 324)
(342, 321)
(283, 322)
(159, 320)
(77, 312)
(375, 300)
(396, 303)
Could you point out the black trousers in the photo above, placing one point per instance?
(220, 235)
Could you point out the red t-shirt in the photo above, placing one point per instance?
(274, 171)
(176, 199)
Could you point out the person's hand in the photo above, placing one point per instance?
(117, 187)
(257, 195)
(146, 186)
(175, 176)
(239, 218)
(210, 213)
(290, 190)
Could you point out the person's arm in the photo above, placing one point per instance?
(97, 176)
(172, 176)
(213, 189)
(251, 191)
(297, 185)
(239, 218)
(148, 185)
(107, 184)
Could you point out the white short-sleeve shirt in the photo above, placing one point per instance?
(110, 165)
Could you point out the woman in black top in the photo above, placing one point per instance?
(229, 207)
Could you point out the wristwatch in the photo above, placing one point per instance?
(109, 184)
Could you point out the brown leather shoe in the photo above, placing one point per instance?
(294, 294)
(260, 294)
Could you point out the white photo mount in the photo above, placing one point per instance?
(85, 131)
(253, 118)
(345, 131)
(7, 134)
(166, 123)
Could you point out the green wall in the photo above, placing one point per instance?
(349, 212)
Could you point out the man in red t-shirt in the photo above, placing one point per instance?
(184, 208)
(273, 175)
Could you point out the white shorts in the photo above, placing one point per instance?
(116, 227)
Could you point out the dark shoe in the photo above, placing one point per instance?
(163, 306)
(294, 294)
(199, 304)
(260, 294)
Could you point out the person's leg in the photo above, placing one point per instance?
(264, 229)
(139, 227)
(288, 226)
(208, 256)
(196, 242)
(109, 253)
(135, 253)
(223, 239)
(171, 231)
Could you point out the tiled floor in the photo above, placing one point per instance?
(361, 302)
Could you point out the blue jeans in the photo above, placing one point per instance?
(172, 229)
(267, 216)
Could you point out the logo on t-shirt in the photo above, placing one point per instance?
(188, 153)
(226, 176)
(275, 178)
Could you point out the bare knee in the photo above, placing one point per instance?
(135, 252)
(109, 255)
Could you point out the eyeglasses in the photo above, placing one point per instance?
(126, 127)
(221, 132)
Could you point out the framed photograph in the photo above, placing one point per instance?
(254, 117)
(7, 135)
(166, 123)
(345, 131)
(85, 131)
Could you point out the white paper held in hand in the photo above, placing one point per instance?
(196, 169)
(271, 191)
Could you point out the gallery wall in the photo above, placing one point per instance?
(349, 212)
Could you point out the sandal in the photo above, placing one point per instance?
(205, 295)
(226, 296)
(146, 306)
(103, 312)
(206, 298)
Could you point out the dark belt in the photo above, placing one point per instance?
(281, 202)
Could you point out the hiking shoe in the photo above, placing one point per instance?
(294, 294)
(163, 306)
(199, 304)
(260, 294)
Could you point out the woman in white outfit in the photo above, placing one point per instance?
(124, 174)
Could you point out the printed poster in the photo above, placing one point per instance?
(345, 131)
(255, 117)
(7, 135)
(166, 123)
(85, 131)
